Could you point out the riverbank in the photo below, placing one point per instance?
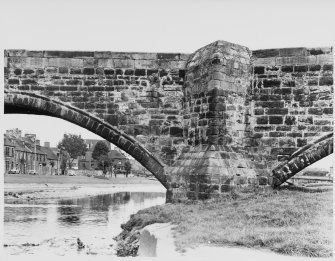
(293, 223)
(37, 179)
(26, 187)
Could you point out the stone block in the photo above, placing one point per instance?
(212, 84)
(258, 111)
(266, 53)
(328, 110)
(75, 71)
(287, 142)
(301, 142)
(327, 67)
(290, 120)
(325, 59)
(277, 111)
(277, 134)
(13, 81)
(88, 71)
(263, 128)
(315, 111)
(262, 181)
(226, 188)
(325, 81)
(275, 119)
(270, 104)
(259, 70)
(262, 120)
(300, 68)
(315, 67)
(322, 122)
(287, 68)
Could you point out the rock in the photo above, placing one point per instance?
(128, 243)
(30, 244)
(80, 244)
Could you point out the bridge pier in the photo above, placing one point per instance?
(217, 116)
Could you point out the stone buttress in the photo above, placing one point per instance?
(216, 105)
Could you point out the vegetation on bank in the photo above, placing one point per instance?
(286, 221)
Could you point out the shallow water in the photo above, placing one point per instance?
(53, 226)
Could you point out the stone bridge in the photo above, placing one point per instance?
(202, 123)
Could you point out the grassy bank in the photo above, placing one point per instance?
(26, 179)
(288, 222)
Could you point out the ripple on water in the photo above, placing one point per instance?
(53, 227)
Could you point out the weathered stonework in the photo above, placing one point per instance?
(202, 123)
(292, 98)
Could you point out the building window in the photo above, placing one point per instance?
(7, 165)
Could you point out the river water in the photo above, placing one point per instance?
(53, 226)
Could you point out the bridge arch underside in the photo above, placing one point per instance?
(303, 158)
(17, 102)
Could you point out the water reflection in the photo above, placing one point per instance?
(56, 226)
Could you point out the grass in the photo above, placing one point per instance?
(288, 222)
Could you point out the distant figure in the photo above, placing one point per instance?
(80, 244)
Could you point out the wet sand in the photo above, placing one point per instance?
(57, 187)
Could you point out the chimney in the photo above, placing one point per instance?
(14, 132)
(47, 144)
(31, 137)
(37, 142)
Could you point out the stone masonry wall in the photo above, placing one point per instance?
(292, 99)
(139, 93)
(220, 118)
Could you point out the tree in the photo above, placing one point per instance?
(64, 158)
(100, 148)
(100, 153)
(74, 145)
(127, 167)
(104, 163)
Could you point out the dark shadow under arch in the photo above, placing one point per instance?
(20, 102)
(302, 158)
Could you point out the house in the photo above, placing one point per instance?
(28, 155)
(87, 162)
(52, 159)
(9, 147)
(118, 161)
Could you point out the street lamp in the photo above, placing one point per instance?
(58, 155)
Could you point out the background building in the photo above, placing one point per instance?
(88, 163)
(24, 153)
(9, 147)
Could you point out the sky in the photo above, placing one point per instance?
(154, 26)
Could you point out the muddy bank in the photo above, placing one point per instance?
(128, 239)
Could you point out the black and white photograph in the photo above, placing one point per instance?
(192, 129)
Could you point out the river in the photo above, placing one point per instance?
(53, 226)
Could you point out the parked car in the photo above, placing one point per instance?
(32, 172)
(71, 173)
(14, 171)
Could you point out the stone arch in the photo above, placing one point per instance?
(32, 103)
(302, 158)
